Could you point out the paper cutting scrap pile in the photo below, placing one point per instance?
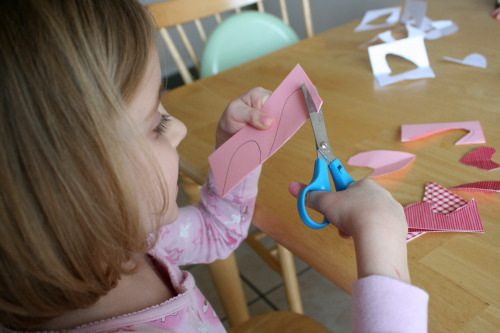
(440, 210)
(419, 28)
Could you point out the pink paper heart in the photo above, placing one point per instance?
(481, 158)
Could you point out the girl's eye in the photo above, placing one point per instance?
(163, 124)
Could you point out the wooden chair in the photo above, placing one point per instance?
(177, 13)
(280, 321)
(225, 273)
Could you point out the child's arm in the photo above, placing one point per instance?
(369, 214)
(215, 227)
(496, 11)
(382, 298)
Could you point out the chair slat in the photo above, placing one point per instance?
(188, 46)
(201, 30)
(218, 19)
(260, 6)
(183, 70)
(306, 7)
(284, 12)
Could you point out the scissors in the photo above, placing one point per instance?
(325, 161)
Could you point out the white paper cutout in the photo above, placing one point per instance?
(414, 32)
(414, 12)
(385, 37)
(440, 29)
(412, 49)
(374, 14)
(473, 59)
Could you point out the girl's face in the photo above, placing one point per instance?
(162, 131)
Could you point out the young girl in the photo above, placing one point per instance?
(89, 180)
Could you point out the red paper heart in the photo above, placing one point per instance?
(481, 158)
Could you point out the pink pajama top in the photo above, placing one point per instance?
(213, 229)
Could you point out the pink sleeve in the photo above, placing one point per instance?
(383, 304)
(214, 227)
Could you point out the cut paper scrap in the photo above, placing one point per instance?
(414, 12)
(421, 218)
(250, 147)
(373, 15)
(481, 159)
(486, 186)
(443, 201)
(441, 29)
(473, 59)
(417, 131)
(385, 37)
(382, 161)
(439, 201)
(412, 49)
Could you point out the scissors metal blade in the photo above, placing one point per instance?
(318, 124)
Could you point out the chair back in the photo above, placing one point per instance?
(175, 14)
(243, 37)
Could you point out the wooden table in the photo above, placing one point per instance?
(460, 271)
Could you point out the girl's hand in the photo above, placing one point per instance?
(242, 111)
(362, 205)
(376, 221)
(496, 14)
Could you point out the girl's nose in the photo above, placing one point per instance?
(177, 132)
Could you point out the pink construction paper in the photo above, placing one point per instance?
(382, 161)
(487, 186)
(418, 131)
(250, 147)
(421, 218)
(481, 158)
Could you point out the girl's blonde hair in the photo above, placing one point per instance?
(69, 213)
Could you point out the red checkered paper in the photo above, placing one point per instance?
(443, 201)
(441, 210)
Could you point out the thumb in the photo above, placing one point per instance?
(320, 201)
(313, 198)
(294, 188)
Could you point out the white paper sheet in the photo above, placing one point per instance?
(412, 49)
(414, 13)
(473, 59)
(374, 14)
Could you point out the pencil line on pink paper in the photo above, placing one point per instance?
(250, 147)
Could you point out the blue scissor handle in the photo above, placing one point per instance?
(341, 178)
(321, 182)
